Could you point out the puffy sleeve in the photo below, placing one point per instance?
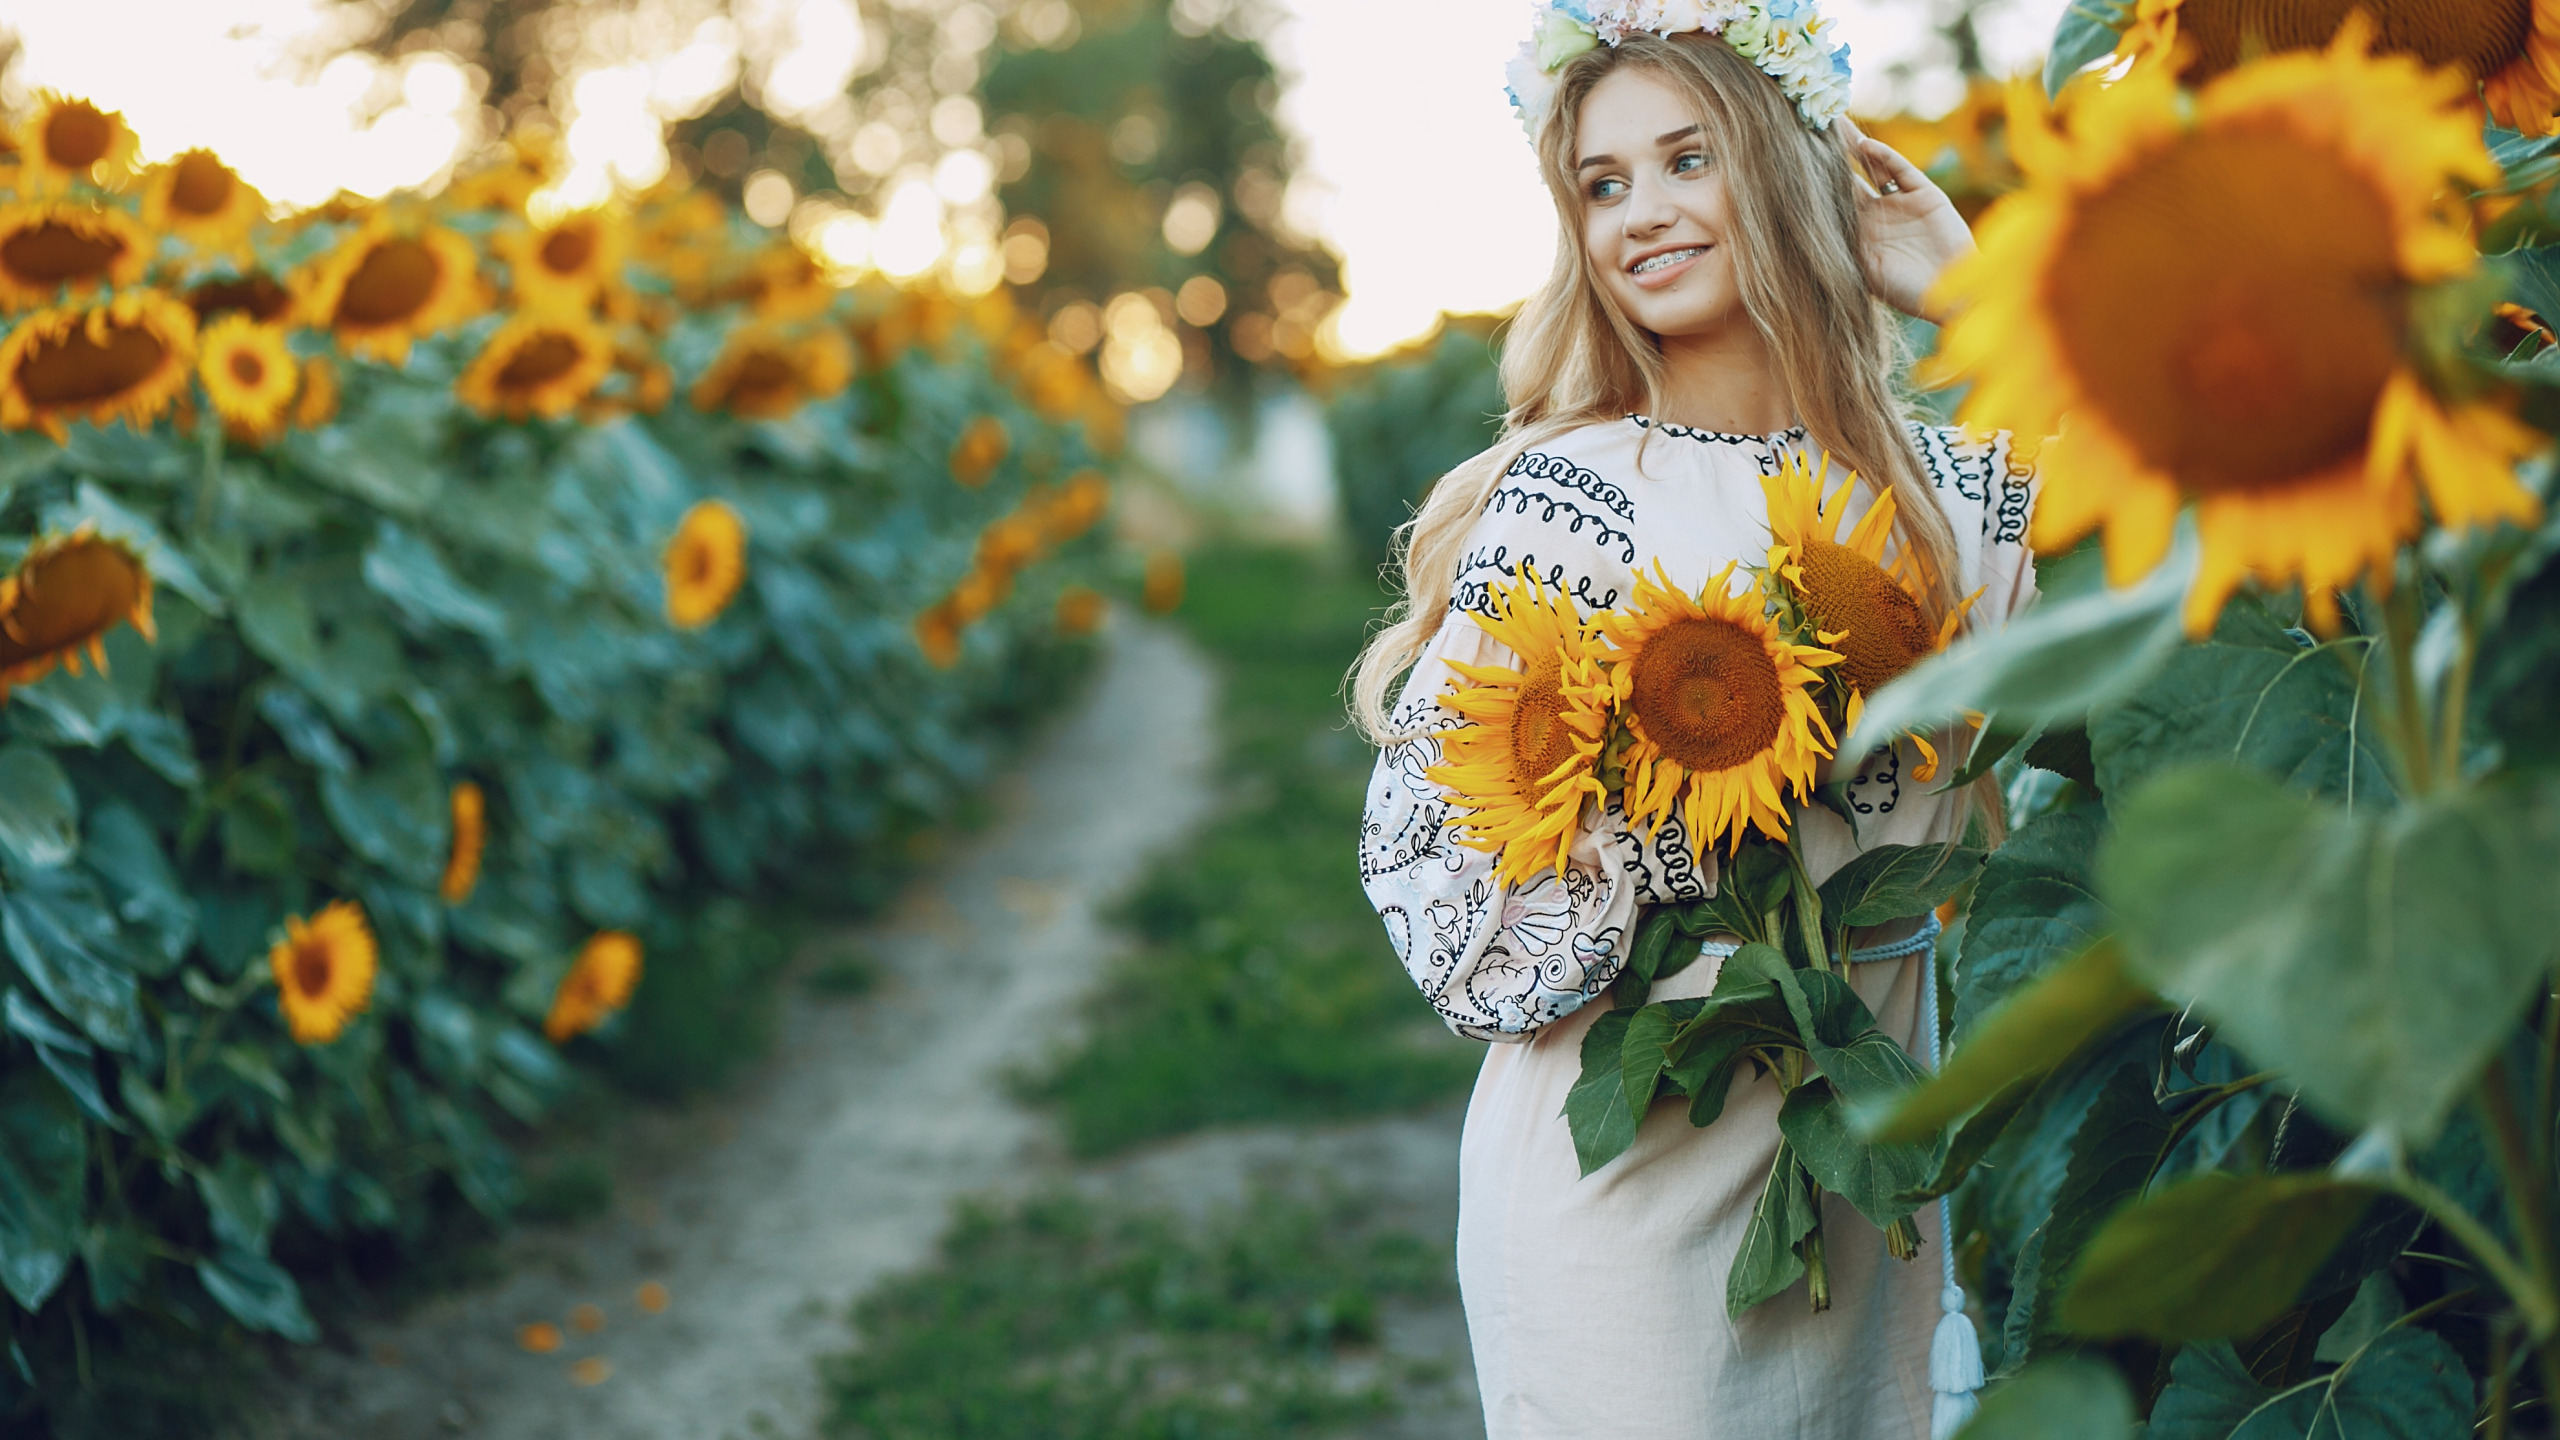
(1497, 961)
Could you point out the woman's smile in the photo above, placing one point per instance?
(1663, 264)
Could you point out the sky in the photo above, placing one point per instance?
(1413, 168)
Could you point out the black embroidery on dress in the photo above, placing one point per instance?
(1877, 787)
(2007, 522)
(1482, 569)
(1716, 437)
(1604, 536)
(1556, 470)
(1954, 462)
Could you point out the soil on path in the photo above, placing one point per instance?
(764, 1213)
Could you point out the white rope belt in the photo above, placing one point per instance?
(1919, 942)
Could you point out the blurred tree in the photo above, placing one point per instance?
(1156, 172)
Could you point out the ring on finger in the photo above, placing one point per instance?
(1890, 187)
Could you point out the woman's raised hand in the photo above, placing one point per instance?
(1908, 228)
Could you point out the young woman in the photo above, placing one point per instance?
(1730, 250)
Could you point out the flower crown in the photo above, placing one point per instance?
(1787, 39)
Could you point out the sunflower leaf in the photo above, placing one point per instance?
(2085, 1399)
(1771, 1256)
(1872, 1177)
(1896, 882)
(2035, 905)
(2377, 960)
(258, 1293)
(1595, 1109)
(2211, 1258)
(44, 1158)
(39, 811)
(2088, 31)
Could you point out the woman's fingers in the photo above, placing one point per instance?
(1884, 163)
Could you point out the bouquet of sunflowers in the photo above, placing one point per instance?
(1719, 706)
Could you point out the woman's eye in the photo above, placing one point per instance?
(1686, 163)
(1608, 188)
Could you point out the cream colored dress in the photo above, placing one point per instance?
(1596, 1305)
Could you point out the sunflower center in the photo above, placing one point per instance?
(566, 250)
(546, 357)
(247, 367)
(390, 284)
(2482, 36)
(763, 374)
(311, 968)
(77, 136)
(1540, 738)
(2233, 306)
(74, 369)
(52, 253)
(693, 563)
(1707, 693)
(1845, 590)
(258, 294)
(201, 185)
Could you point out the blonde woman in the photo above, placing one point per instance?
(1731, 253)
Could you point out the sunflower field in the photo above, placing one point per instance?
(2252, 1115)
(417, 611)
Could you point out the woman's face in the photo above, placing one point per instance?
(1654, 218)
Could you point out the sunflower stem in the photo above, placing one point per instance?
(2408, 705)
(2457, 699)
(1809, 913)
(209, 433)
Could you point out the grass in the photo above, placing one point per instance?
(1261, 987)
(1059, 1320)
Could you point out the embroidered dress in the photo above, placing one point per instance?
(1596, 1305)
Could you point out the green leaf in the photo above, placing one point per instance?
(372, 461)
(1896, 882)
(394, 814)
(44, 1158)
(2377, 960)
(118, 1258)
(258, 1293)
(241, 1200)
(258, 832)
(1641, 1056)
(2257, 697)
(2407, 1385)
(2027, 1035)
(1771, 1256)
(2035, 906)
(1975, 1137)
(2214, 1257)
(276, 622)
(1870, 1176)
(63, 942)
(2113, 1151)
(406, 570)
(2052, 664)
(122, 847)
(39, 811)
(2210, 1392)
(1595, 1109)
(2088, 31)
(2082, 1399)
(2064, 750)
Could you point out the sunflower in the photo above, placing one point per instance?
(705, 563)
(253, 293)
(324, 971)
(1076, 507)
(65, 140)
(470, 837)
(1162, 592)
(765, 374)
(1870, 612)
(1080, 610)
(1529, 752)
(542, 363)
(47, 246)
(248, 374)
(565, 264)
(599, 982)
(2217, 294)
(1009, 543)
(978, 593)
(2510, 47)
(386, 286)
(980, 448)
(938, 636)
(201, 201)
(1719, 706)
(784, 282)
(63, 599)
(124, 359)
(317, 405)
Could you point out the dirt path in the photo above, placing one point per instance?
(763, 1214)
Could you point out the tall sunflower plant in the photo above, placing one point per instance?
(2249, 1117)
(430, 629)
(1713, 712)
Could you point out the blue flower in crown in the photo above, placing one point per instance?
(1788, 39)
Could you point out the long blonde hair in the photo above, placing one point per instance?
(1573, 358)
